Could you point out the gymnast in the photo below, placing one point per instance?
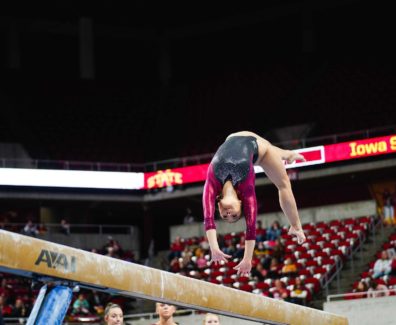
(231, 183)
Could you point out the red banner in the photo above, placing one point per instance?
(313, 156)
(360, 148)
(176, 176)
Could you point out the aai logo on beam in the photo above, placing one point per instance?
(57, 261)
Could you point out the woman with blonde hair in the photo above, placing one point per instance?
(113, 314)
(211, 319)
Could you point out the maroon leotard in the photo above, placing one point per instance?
(233, 161)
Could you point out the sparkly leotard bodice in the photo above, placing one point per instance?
(233, 162)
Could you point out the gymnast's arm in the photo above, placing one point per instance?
(250, 212)
(208, 201)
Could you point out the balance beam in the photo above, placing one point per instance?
(35, 258)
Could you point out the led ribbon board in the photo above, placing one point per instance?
(184, 175)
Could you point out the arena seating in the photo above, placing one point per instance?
(328, 245)
(387, 281)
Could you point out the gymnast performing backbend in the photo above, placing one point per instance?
(231, 183)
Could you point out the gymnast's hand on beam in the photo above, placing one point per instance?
(298, 233)
(244, 267)
(218, 256)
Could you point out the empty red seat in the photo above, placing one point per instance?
(329, 245)
(314, 281)
(365, 275)
(228, 280)
(345, 243)
(387, 245)
(243, 279)
(315, 247)
(305, 272)
(262, 285)
(231, 264)
(335, 252)
(364, 219)
(305, 256)
(349, 221)
(320, 270)
(246, 287)
(327, 261)
(311, 263)
(215, 274)
(335, 223)
(392, 281)
(321, 254)
(308, 226)
(230, 272)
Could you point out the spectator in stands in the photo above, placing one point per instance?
(279, 291)
(230, 182)
(5, 287)
(393, 267)
(289, 268)
(229, 249)
(274, 269)
(260, 251)
(198, 250)
(2, 223)
(377, 289)
(80, 306)
(95, 299)
(278, 250)
(19, 309)
(186, 253)
(240, 248)
(187, 263)
(260, 231)
(204, 244)
(113, 248)
(201, 261)
(259, 273)
(274, 232)
(111, 252)
(165, 313)
(188, 218)
(1, 318)
(299, 292)
(5, 308)
(176, 248)
(113, 314)
(65, 227)
(360, 290)
(42, 229)
(388, 207)
(175, 265)
(382, 266)
(211, 319)
(30, 229)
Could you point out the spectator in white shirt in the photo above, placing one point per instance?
(382, 266)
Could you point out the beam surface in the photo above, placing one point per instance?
(33, 257)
